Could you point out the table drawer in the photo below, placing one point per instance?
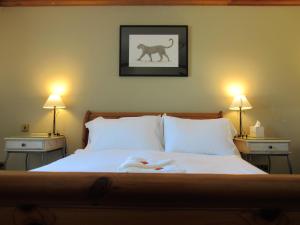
(54, 144)
(24, 145)
(280, 147)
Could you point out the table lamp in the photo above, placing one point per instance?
(54, 102)
(240, 103)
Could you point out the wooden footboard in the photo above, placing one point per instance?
(31, 198)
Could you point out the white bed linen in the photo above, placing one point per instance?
(110, 160)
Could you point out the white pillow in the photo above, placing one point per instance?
(213, 136)
(136, 133)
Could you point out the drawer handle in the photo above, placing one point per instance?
(270, 147)
(23, 145)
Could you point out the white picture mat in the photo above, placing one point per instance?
(153, 40)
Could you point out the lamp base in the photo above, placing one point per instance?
(241, 123)
(52, 134)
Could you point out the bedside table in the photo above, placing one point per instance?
(34, 144)
(264, 147)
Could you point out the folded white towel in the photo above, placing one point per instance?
(141, 165)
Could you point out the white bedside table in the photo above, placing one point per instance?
(34, 144)
(264, 147)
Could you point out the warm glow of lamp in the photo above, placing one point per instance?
(235, 89)
(54, 102)
(240, 103)
(58, 86)
(58, 89)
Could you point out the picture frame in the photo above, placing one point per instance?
(153, 50)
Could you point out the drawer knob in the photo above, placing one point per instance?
(23, 145)
(270, 147)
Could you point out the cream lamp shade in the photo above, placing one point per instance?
(240, 102)
(54, 100)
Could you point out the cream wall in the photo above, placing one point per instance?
(257, 47)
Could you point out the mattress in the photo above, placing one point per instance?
(110, 160)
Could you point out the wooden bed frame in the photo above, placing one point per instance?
(36, 198)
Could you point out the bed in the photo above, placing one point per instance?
(110, 158)
(108, 161)
(242, 194)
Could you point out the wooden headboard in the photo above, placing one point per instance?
(116, 115)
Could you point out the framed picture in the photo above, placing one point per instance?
(153, 51)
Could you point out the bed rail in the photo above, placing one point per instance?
(35, 198)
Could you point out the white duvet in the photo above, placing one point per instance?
(110, 161)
